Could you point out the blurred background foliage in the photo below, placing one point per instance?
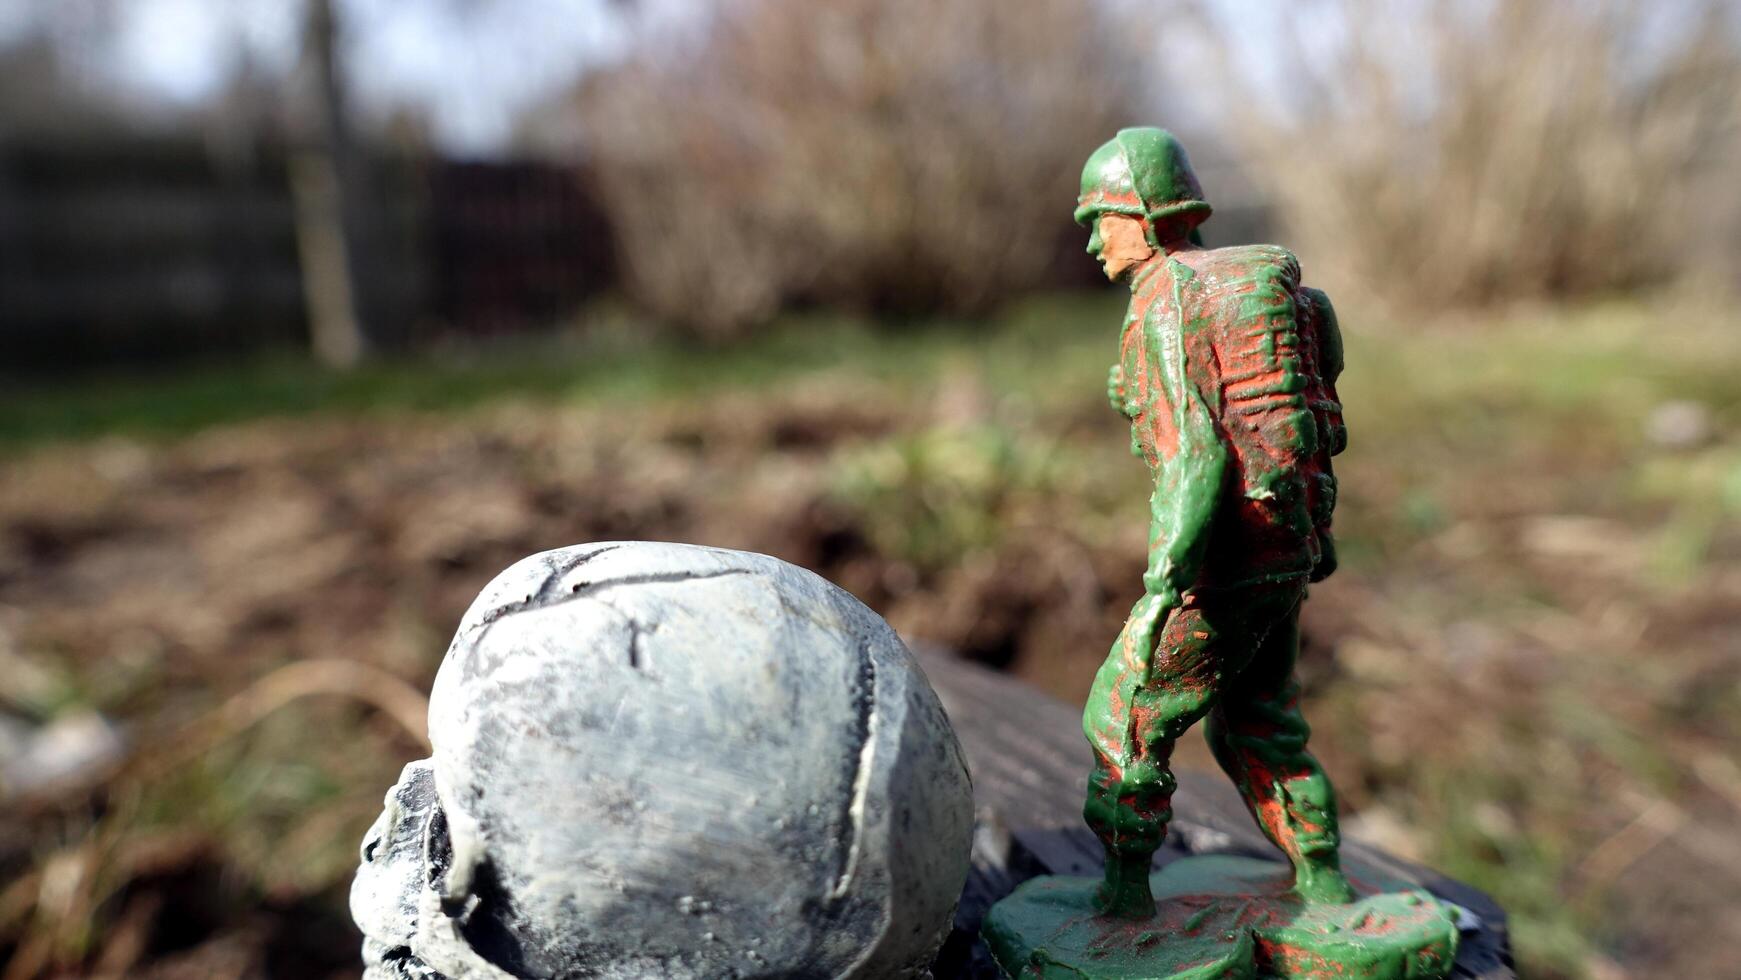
(867, 153)
(1475, 153)
(315, 315)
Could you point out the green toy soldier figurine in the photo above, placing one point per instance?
(1227, 369)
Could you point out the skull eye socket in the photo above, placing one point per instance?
(437, 850)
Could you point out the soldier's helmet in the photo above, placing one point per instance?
(1143, 172)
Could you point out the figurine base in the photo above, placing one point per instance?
(1221, 916)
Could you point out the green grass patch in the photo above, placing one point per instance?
(1458, 387)
(1021, 349)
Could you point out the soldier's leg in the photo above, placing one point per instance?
(1259, 736)
(1133, 725)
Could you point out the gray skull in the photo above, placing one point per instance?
(660, 760)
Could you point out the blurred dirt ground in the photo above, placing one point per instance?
(213, 645)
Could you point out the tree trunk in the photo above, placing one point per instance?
(324, 179)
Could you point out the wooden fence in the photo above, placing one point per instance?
(128, 250)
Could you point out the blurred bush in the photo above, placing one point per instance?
(1443, 152)
(889, 155)
(937, 495)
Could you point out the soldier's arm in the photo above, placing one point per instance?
(1181, 512)
(1187, 491)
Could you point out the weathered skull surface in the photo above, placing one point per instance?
(659, 760)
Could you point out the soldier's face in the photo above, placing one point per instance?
(1119, 244)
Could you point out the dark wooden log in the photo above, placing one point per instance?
(1029, 762)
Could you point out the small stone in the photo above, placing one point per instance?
(1679, 424)
(74, 749)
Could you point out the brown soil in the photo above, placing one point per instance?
(156, 583)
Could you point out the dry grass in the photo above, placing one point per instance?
(896, 156)
(909, 155)
(1438, 152)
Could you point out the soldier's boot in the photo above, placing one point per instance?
(1128, 808)
(1133, 724)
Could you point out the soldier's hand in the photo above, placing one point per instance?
(1157, 582)
(1115, 387)
(1147, 617)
